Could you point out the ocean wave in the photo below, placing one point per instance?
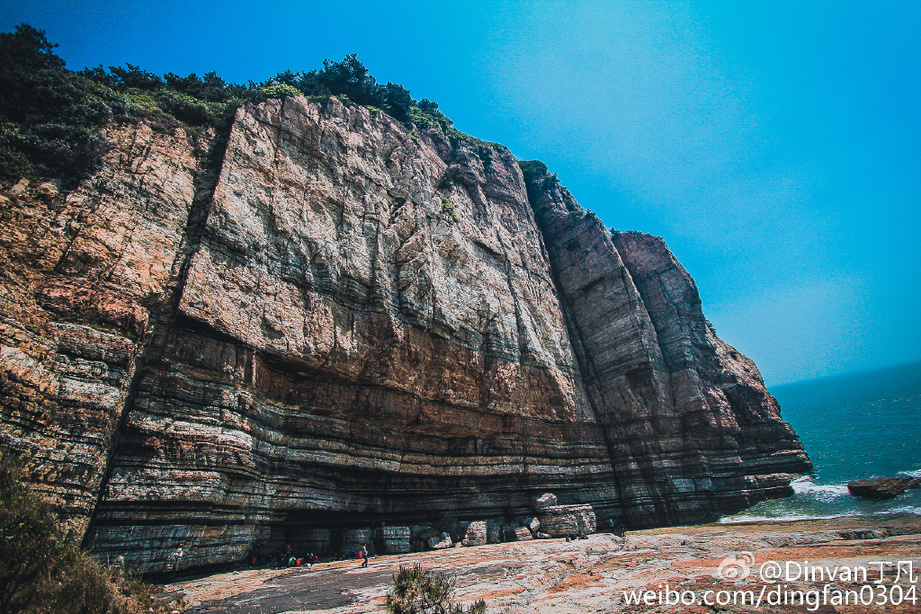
(905, 510)
(914, 473)
(746, 519)
(910, 510)
(805, 486)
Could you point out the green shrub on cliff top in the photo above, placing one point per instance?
(51, 118)
(43, 571)
(279, 90)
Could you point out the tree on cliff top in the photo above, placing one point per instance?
(51, 118)
(351, 79)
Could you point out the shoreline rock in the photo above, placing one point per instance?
(882, 488)
(578, 577)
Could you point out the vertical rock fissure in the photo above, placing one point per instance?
(584, 361)
(205, 182)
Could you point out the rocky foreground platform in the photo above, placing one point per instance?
(601, 573)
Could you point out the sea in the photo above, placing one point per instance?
(853, 426)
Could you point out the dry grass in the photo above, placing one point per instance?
(42, 571)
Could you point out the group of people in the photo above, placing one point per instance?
(287, 558)
(283, 559)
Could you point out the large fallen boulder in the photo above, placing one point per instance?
(881, 488)
(544, 501)
(453, 527)
(440, 542)
(563, 520)
(395, 540)
(420, 534)
(475, 534)
(534, 525)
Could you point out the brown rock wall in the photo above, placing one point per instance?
(346, 351)
(352, 323)
(84, 275)
(692, 432)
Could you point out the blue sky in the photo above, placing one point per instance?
(776, 146)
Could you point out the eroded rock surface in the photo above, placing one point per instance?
(85, 276)
(604, 573)
(352, 324)
(690, 428)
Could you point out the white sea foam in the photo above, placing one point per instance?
(805, 486)
(914, 473)
(746, 519)
(911, 510)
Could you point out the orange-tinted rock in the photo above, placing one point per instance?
(310, 341)
(83, 276)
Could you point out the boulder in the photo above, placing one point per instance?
(47, 190)
(395, 540)
(493, 532)
(563, 520)
(420, 534)
(523, 534)
(534, 525)
(453, 527)
(475, 534)
(880, 488)
(544, 501)
(440, 542)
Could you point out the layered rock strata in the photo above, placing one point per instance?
(690, 428)
(85, 278)
(567, 520)
(355, 323)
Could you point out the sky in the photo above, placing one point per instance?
(775, 146)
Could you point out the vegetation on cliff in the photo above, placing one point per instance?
(538, 179)
(51, 118)
(42, 570)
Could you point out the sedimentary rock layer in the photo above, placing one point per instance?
(346, 351)
(85, 276)
(690, 427)
(354, 323)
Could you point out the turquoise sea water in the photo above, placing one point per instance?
(853, 426)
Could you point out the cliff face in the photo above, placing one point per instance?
(688, 422)
(85, 277)
(352, 323)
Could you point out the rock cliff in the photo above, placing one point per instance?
(348, 322)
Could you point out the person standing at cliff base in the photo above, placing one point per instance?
(364, 555)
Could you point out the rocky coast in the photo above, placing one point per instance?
(605, 572)
(344, 321)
